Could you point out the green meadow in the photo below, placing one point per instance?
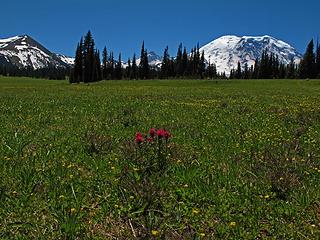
(243, 161)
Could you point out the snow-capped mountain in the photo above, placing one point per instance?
(154, 60)
(227, 51)
(24, 51)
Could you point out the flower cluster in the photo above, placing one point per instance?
(152, 135)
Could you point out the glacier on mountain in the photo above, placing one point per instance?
(225, 52)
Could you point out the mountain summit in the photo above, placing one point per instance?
(25, 52)
(227, 51)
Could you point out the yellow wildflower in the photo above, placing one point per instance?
(154, 232)
(72, 210)
(195, 211)
(232, 224)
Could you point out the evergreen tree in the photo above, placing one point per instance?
(202, 66)
(277, 69)
(97, 73)
(233, 74)
(268, 66)
(239, 73)
(246, 73)
(256, 69)
(282, 71)
(317, 68)
(94, 77)
(165, 66)
(110, 66)
(179, 62)
(211, 71)
(172, 72)
(146, 67)
(196, 62)
(270, 72)
(251, 72)
(78, 64)
(291, 70)
(118, 69)
(144, 64)
(134, 68)
(128, 69)
(223, 75)
(141, 64)
(184, 62)
(264, 67)
(88, 58)
(190, 71)
(105, 64)
(308, 62)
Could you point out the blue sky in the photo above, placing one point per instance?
(123, 25)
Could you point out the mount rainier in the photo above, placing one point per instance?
(225, 52)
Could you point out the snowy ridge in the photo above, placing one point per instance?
(154, 60)
(25, 52)
(66, 59)
(228, 50)
(5, 42)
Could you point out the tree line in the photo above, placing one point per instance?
(186, 65)
(268, 66)
(51, 73)
(89, 67)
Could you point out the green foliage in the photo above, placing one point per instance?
(78, 64)
(144, 68)
(166, 65)
(87, 66)
(243, 161)
(307, 65)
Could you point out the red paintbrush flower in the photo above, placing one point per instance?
(167, 134)
(152, 132)
(139, 138)
(161, 133)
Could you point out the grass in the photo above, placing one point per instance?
(244, 159)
